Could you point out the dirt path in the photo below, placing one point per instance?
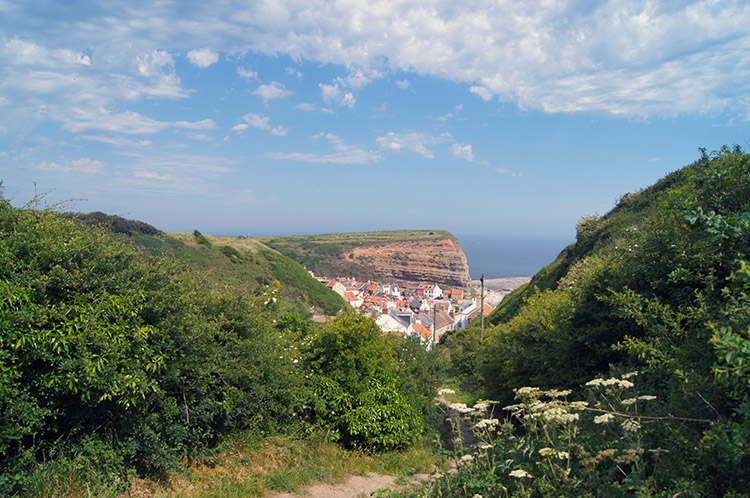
(352, 487)
(365, 486)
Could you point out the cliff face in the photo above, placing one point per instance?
(439, 261)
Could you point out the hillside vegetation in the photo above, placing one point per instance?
(327, 254)
(242, 263)
(627, 360)
(116, 364)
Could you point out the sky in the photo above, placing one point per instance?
(503, 117)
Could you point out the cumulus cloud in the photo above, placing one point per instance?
(463, 151)
(203, 58)
(247, 74)
(274, 90)
(260, 122)
(334, 94)
(620, 57)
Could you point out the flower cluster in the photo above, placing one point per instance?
(550, 452)
(487, 423)
(612, 381)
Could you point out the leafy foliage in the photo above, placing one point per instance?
(97, 340)
(660, 283)
(358, 377)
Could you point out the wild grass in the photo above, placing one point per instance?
(253, 467)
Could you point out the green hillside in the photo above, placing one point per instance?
(119, 368)
(658, 287)
(325, 254)
(241, 263)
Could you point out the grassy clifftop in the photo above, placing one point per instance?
(332, 254)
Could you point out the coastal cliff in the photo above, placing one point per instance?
(403, 256)
(439, 261)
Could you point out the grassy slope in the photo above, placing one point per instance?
(241, 263)
(320, 252)
(254, 264)
(599, 235)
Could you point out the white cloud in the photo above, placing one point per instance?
(247, 74)
(342, 153)
(334, 94)
(203, 58)
(309, 107)
(456, 112)
(463, 151)
(620, 57)
(402, 84)
(275, 90)
(83, 165)
(81, 119)
(206, 124)
(260, 122)
(348, 155)
(415, 141)
(118, 141)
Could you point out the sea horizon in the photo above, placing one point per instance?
(505, 256)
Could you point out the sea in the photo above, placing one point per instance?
(503, 256)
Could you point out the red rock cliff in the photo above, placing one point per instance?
(410, 262)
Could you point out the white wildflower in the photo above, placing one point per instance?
(485, 446)
(554, 393)
(631, 425)
(487, 422)
(547, 452)
(630, 374)
(481, 406)
(603, 418)
(595, 382)
(527, 390)
(646, 397)
(578, 405)
(445, 390)
(519, 473)
(629, 401)
(562, 455)
(467, 458)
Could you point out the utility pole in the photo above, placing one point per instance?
(481, 311)
(434, 322)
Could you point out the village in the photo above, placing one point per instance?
(425, 311)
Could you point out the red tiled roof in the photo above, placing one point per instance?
(422, 330)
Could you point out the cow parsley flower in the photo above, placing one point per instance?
(603, 418)
(519, 473)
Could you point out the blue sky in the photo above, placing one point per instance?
(291, 117)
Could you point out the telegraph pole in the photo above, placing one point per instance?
(434, 323)
(481, 311)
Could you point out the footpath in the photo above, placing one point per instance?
(368, 485)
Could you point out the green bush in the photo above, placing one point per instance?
(99, 341)
(358, 393)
